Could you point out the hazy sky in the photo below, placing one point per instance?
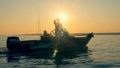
(21, 16)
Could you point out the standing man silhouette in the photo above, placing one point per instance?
(58, 28)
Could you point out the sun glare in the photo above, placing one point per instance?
(62, 16)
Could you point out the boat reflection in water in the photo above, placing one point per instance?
(12, 58)
(55, 58)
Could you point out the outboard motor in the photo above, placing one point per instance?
(13, 44)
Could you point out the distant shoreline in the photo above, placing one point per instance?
(107, 33)
(97, 33)
(76, 34)
(83, 34)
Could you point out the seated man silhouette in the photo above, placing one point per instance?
(45, 33)
(46, 37)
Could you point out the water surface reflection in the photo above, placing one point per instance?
(42, 58)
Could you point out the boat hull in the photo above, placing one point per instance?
(68, 44)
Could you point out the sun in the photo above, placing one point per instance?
(62, 16)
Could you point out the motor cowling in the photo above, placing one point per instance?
(13, 43)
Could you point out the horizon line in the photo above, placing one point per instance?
(96, 33)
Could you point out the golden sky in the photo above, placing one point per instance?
(83, 16)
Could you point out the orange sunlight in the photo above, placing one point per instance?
(62, 16)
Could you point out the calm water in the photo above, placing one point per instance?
(103, 53)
